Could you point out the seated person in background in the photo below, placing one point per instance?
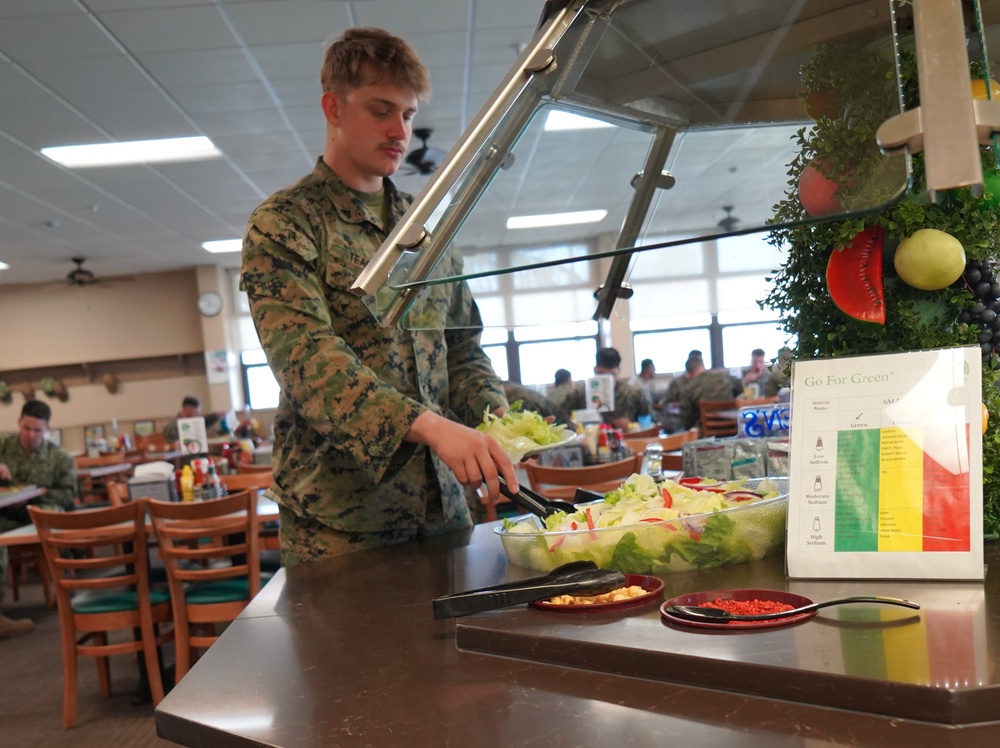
(757, 373)
(644, 381)
(28, 458)
(717, 384)
(672, 420)
(190, 408)
(536, 402)
(561, 389)
(630, 402)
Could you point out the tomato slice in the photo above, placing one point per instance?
(854, 277)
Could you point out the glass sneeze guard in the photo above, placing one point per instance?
(643, 126)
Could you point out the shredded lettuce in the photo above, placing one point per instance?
(521, 431)
(637, 531)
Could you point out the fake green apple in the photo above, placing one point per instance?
(930, 259)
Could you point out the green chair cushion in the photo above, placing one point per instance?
(114, 600)
(220, 591)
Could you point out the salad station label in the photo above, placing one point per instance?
(886, 467)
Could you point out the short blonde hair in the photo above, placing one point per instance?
(351, 60)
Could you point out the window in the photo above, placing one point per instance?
(261, 386)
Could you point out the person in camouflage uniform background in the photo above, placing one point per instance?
(369, 443)
(630, 401)
(28, 458)
(716, 384)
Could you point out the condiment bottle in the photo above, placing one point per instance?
(187, 483)
(213, 486)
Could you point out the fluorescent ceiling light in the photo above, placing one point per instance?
(133, 152)
(4, 266)
(223, 245)
(558, 120)
(555, 219)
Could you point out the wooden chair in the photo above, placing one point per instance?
(19, 558)
(151, 442)
(91, 490)
(672, 457)
(562, 482)
(97, 559)
(243, 468)
(259, 480)
(643, 433)
(118, 494)
(204, 596)
(256, 480)
(713, 424)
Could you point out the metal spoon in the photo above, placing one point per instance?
(536, 503)
(716, 615)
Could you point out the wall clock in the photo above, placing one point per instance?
(210, 303)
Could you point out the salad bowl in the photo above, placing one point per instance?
(743, 531)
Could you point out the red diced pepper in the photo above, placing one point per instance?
(573, 525)
(558, 543)
(590, 524)
(668, 500)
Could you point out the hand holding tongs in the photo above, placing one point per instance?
(576, 578)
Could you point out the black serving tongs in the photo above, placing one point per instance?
(535, 503)
(574, 578)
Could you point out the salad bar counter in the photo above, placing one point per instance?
(347, 652)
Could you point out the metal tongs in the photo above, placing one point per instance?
(574, 578)
(543, 507)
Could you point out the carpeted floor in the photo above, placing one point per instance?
(31, 690)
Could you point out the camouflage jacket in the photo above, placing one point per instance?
(50, 467)
(350, 388)
(716, 384)
(630, 402)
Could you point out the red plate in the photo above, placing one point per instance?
(698, 598)
(652, 585)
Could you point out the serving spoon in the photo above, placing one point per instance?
(717, 615)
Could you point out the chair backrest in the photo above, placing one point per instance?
(713, 424)
(118, 494)
(94, 549)
(562, 482)
(151, 442)
(248, 467)
(82, 461)
(207, 532)
(259, 480)
(652, 431)
(669, 443)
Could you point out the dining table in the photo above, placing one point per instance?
(16, 495)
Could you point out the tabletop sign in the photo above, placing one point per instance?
(192, 435)
(886, 467)
(599, 390)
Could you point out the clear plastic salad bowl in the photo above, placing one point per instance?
(746, 532)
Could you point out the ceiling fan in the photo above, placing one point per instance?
(81, 277)
(730, 222)
(425, 159)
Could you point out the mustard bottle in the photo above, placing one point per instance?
(187, 483)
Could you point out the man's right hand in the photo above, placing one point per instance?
(473, 457)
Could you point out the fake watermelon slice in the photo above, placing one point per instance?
(854, 277)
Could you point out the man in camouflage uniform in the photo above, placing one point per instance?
(630, 401)
(536, 402)
(673, 419)
(717, 384)
(27, 458)
(370, 447)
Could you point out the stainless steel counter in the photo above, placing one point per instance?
(346, 652)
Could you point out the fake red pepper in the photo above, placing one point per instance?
(668, 500)
(590, 524)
